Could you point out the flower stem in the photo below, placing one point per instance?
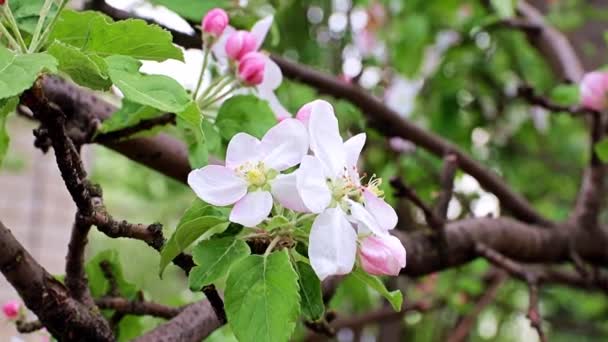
(272, 245)
(213, 89)
(44, 12)
(48, 29)
(19, 42)
(219, 97)
(10, 38)
(200, 77)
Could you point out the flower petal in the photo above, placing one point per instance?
(312, 185)
(252, 209)
(365, 219)
(284, 145)
(242, 148)
(284, 190)
(219, 48)
(385, 215)
(353, 148)
(325, 139)
(277, 108)
(260, 30)
(217, 185)
(273, 77)
(333, 244)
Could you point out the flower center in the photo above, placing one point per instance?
(257, 175)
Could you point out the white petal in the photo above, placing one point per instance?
(333, 244)
(325, 139)
(284, 190)
(353, 148)
(217, 185)
(365, 219)
(284, 145)
(277, 108)
(242, 148)
(252, 209)
(273, 77)
(385, 215)
(312, 185)
(260, 30)
(219, 48)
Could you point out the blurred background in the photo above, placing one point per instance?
(452, 67)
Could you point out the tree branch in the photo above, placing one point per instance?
(143, 125)
(65, 318)
(136, 307)
(75, 276)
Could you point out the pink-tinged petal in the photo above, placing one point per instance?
(333, 244)
(353, 148)
(285, 191)
(312, 185)
(594, 90)
(277, 108)
(273, 76)
(243, 148)
(382, 255)
(304, 112)
(11, 309)
(252, 209)
(260, 30)
(251, 68)
(365, 219)
(325, 139)
(284, 145)
(385, 215)
(214, 22)
(239, 44)
(219, 48)
(217, 185)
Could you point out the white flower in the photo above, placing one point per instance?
(252, 166)
(328, 183)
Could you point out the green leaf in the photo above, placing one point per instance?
(311, 297)
(213, 138)
(214, 258)
(192, 10)
(128, 115)
(244, 113)
(7, 106)
(566, 95)
(198, 155)
(87, 70)
(277, 222)
(504, 8)
(157, 91)
(200, 221)
(262, 298)
(19, 72)
(393, 297)
(99, 284)
(97, 33)
(601, 149)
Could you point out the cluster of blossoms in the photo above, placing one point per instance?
(594, 90)
(240, 49)
(348, 215)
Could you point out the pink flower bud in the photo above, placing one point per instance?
(251, 68)
(594, 90)
(11, 309)
(303, 113)
(214, 22)
(382, 255)
(239, 44)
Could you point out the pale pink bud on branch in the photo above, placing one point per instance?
(251, 68)
(215, 21)
(11, 309)
(594, 90)
(382, 255)
(239, 44)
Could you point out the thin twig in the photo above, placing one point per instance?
(141, 126)
(137, 307)
(528, 93)
(446, 180)
(402, 190)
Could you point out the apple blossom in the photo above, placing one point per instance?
(214, 22)
(594, 90)
(11, 309)
(328, 184)
(239, 44)
(251, 168)
(303, 113)
(382, 255)
(251, 68)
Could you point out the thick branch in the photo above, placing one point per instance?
(64, 317)
(75, 277)
(194, 323)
